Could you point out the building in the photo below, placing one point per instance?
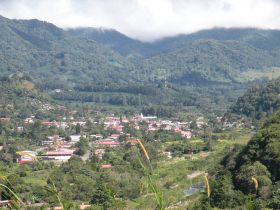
(108, 143)
(106, 166)
(26, 156)
(60, 155)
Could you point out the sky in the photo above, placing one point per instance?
(148, 20)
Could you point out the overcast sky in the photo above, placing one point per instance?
(148, 19)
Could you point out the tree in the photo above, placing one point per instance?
(102, 196)
(243, 178)
(83, 146)
(78, 128)
(223, 194)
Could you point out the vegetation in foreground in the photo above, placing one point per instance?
(250, 175)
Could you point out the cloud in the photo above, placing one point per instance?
(148, 19)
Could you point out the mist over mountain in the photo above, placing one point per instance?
(105, 66)
(94, 118)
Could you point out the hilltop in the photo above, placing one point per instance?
(204, 69)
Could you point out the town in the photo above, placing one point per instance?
(60, 149)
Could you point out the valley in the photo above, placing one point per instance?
(93, 119)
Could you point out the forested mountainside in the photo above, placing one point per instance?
(263, 39)
(47, 52)
(106, 67)
(258, 102)
(234, 186)
(218, 55)
(20, 98)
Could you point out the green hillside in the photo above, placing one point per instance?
(20, 98)
(45, 51)
(233, 185)
(107, 67)
(205, 61)
(258, 102)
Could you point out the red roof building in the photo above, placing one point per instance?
(108, 143)
(106, 166)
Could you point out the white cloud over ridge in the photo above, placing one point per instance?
(148, 19)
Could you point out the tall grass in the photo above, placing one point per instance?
(207, 188)
(250, 199)
(152, 186)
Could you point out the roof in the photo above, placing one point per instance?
(58, 153)
(84, 206)
(106, 166)
(131, 141)
(108, 143)
(53, 123)
(115, 135)
(25, 161)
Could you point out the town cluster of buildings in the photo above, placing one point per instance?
(57, 148)
(54, 148)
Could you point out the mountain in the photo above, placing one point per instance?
(116, 40)
(216, 55)
(210, 68)
(259, 38)
(46, 51)
(257, 102)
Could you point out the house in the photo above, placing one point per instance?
(106, 166)
(59, 155)
(200, 122)
(28, 120)
(117, 128)
(5, 119)
(108, 143)
(82, 207)
(167, 128)
(81, 123)
(147, 118)
(125, 120)
(114, 136)
(131, 141)
(65, 145)
(6, 204)
(186, 134)
(76, 138)
(96, 136)
(62, 125)
(26, 156)
(99, 153)
(51, 140)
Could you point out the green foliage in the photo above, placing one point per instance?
(201, 69)
(259, 159)
(258, 102)
(223, 194)
(102, 196)
(244, 175)
(82, 146)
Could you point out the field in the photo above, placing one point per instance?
(251, 75)
(175, 175)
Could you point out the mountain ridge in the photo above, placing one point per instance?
(179, 68)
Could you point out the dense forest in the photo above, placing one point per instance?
(233, 184)
(106, 67)
(258, 102)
